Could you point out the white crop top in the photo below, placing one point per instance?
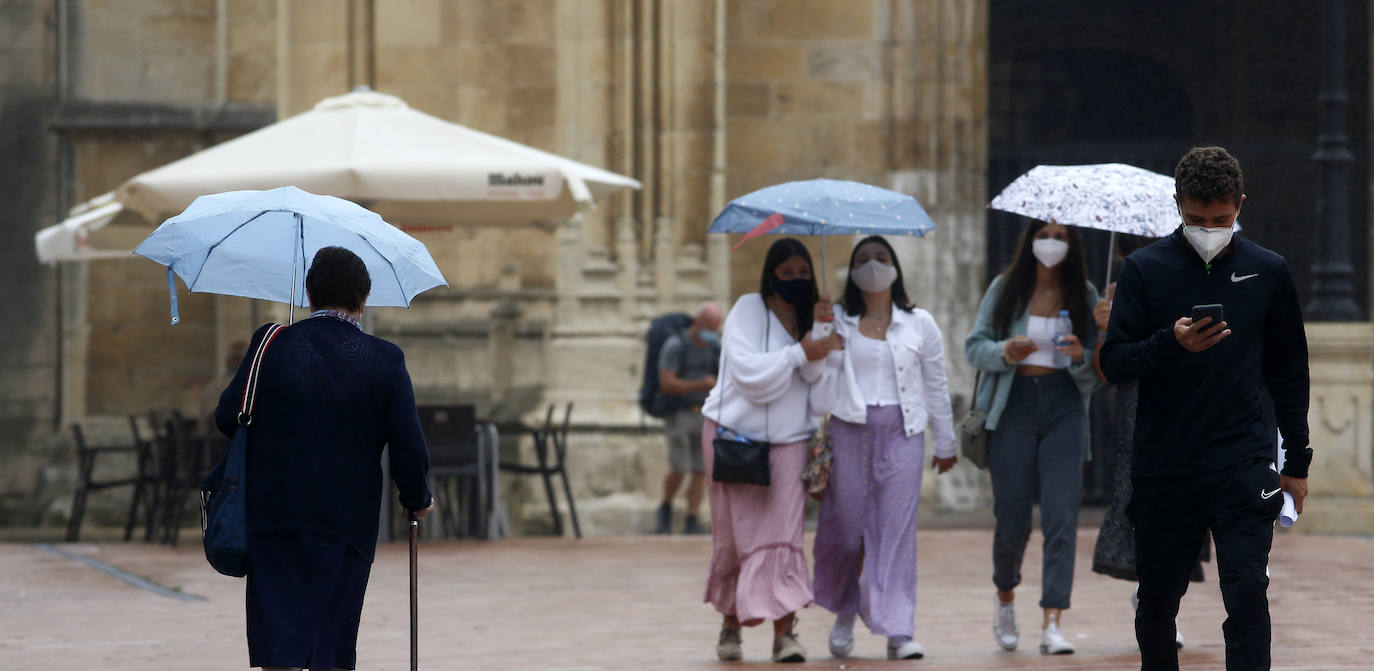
(1041, 332)
(874, 370)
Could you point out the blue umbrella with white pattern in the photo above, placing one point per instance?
(823, 207)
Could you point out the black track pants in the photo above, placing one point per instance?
(1170, 514)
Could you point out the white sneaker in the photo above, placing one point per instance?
(842, 636)
(730, 648)
(1135, 605)
(1053, 643)
(787, 649)
(902, 647)
(1004, 624)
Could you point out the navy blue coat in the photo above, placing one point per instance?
(330, 397)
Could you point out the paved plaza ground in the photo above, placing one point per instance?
(635, 603)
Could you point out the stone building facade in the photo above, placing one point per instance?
(701, 100)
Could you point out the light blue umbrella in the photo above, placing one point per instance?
(259, 244)
(823, 207)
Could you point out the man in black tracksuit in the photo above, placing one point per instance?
(1203, 453)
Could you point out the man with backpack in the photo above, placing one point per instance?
(687, 361)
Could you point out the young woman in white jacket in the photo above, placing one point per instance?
(891, 386)
(771, 375)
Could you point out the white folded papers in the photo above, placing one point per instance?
(1288, 516)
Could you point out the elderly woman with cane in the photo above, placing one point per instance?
(329, 398)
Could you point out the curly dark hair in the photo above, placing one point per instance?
(778, 254)
(337, 279)
(1209, 174)
(854, 298)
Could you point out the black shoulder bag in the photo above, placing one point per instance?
(223, 506)
(737, 458)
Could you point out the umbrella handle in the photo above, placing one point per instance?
(172, 290)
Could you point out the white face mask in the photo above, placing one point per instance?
(1208, 242)
(874, 276)
(1049, 251)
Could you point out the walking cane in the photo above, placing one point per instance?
(414, 594)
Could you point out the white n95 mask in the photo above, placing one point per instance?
(1049, 251)
(1208, 242)
(874, 276)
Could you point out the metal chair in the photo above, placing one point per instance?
(93, 437)
(460, 457)
(551, 449)
(177, 469)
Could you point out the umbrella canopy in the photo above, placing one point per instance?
(1109, 196)
(258, 244)
(823, 207)
(373, 148)
(367, 147)
(71, 239)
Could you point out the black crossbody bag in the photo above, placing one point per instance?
(739, 459)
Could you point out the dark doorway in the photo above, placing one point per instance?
(1097, 81)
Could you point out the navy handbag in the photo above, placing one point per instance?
(223, 513)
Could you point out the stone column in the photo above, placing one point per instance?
(501, 343)
(627, 258)
(568, 280)
(74, 337)
(1341, 421)
(665, 259)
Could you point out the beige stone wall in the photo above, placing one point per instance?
(28, 357)
(200, 54)
(892, 94)
(701, 100)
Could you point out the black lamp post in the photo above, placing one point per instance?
(1332, 298)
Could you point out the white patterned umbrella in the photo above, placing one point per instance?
(1108, 196)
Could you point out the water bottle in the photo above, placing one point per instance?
(1063, 326)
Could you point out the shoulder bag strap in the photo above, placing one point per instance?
(720, 405)
(250, 386)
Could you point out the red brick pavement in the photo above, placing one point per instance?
(634, 603)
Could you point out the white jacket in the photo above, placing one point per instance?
(765, 390)
(918, 352)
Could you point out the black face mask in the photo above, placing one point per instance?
(796, 292)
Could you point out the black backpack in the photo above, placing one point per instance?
(652, 400)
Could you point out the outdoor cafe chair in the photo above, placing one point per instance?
(461, 456)
(551, 449)
(93, 437)
(177, 467)
(186, 469)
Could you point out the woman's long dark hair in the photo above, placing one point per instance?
(1018, 282)
(778, 254)
(853, 295)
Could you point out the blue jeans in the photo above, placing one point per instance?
(1038, 448)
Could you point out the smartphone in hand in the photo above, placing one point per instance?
(1213, 310)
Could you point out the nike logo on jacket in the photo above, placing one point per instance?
(1200, 412)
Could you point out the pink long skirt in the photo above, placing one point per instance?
(758, 569)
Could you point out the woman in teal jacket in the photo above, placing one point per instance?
(1035, 390)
